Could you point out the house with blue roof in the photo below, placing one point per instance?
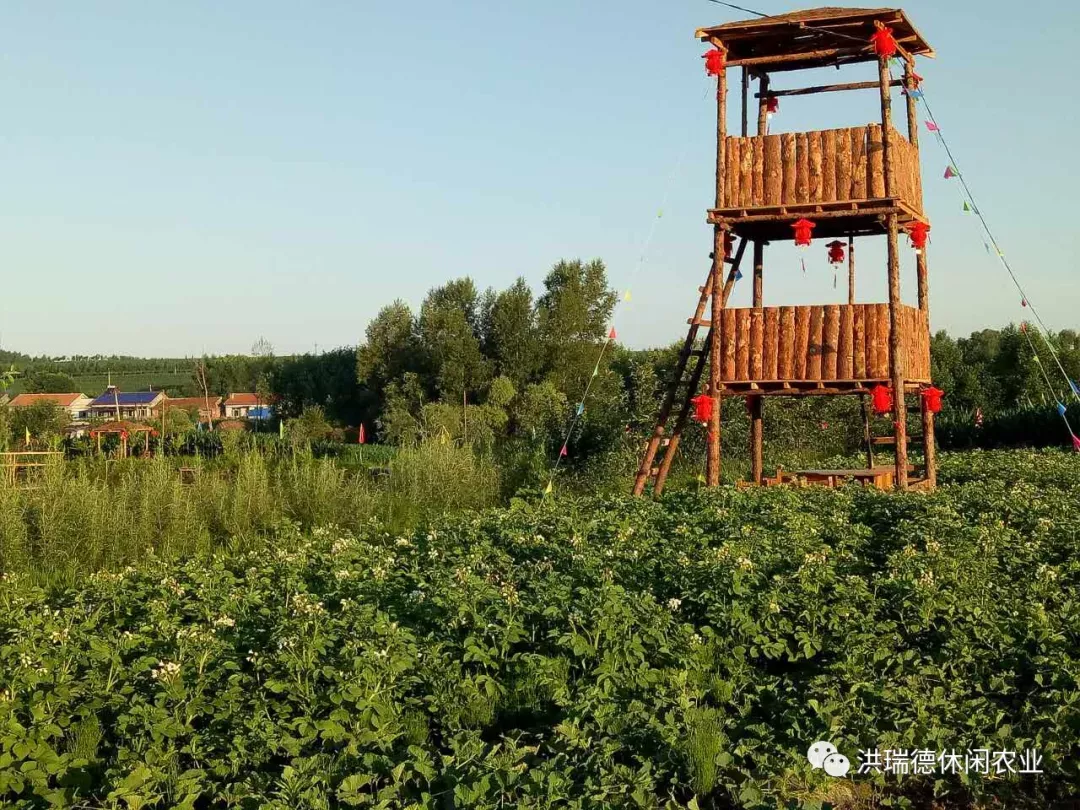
(116, 405)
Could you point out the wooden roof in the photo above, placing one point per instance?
(816, 37)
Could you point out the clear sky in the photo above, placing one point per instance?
(179, 178)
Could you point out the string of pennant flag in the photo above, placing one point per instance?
(579, 409)
(992, 247)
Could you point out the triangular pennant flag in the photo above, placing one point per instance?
(595, 371)
(701, 478)
(1036, 358)
(660, 214)
(562, 451)
(738, 275)
(930, 125)
(611, 334)
(1001, 253)
(1075, 387)
(548, 488)
(580, 408)
(950, 172)
(915, 93)
(1076, 443)
(1061, 409)
(967, 208)
(626, 296)
(1023, 302)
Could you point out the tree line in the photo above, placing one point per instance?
(510, 366)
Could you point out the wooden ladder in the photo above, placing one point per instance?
(684, 386)
(914, 440)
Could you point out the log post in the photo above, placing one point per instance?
(851, 269)
(756, 425)
(745, 101)
(763, 104)
(912, 117)
(712, 476)
(896, 358)
(929, 443)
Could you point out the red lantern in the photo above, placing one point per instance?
(836, 251)
(882, 399)
(802, 231)
(918, 232)
(932, 399)
(883, 41)
(703, 408)
(772, 105)
(714, 62)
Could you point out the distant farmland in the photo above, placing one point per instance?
(95, 383)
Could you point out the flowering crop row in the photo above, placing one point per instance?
(581, 654)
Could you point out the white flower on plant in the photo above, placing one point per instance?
(674, 604)
(224, 621)
(745, 564)
(166, 671)
(696, 640)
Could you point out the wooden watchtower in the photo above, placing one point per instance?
(856, 182)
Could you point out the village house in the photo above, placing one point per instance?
(115, 405)
(76, 405)
(244, 406)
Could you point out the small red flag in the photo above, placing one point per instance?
(360, 437)
(611, 334)
(562, 452)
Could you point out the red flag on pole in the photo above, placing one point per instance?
(360, 437)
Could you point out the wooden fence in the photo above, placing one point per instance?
(833, 165)
(829, 342)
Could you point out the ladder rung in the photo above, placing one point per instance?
(699, 322)
(891, 440)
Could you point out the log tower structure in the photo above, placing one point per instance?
(861, 182)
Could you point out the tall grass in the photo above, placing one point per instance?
(86, 515)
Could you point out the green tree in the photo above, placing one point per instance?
(572, 318)
(510, 339)
(310, 426)
(390, 348)
(44, 420)
(49, 382)
(449, 336)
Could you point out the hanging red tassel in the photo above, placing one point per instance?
(882, 399)
(836, 252)
(932, 399)
(883, 41)
(703, 408)
(918, 232)
(802, 232)
(772, 105)
(714, 62)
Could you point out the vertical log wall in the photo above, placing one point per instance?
(833, 165)
(827, 342)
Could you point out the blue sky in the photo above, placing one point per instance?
(180, 178)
